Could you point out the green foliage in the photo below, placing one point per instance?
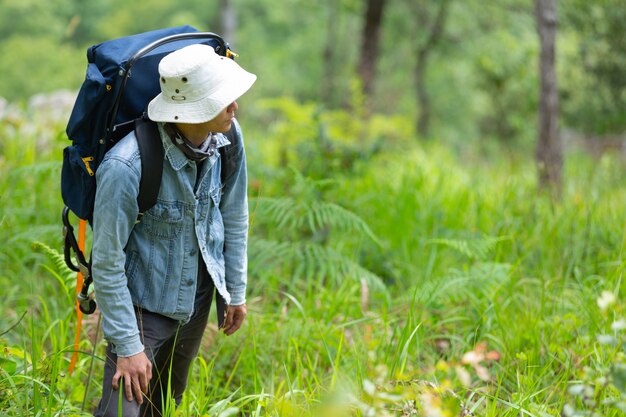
(482, 79)
(25, 74)
(304, 237)
(490, 300)
(327, 143)
(32, 17)
(600, 390)
(506, 71)
(491, 289)
(473, 248)
(153, 15)
(596, 65)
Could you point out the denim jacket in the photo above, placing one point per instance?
(154, 264)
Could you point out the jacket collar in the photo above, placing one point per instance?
(176, 157)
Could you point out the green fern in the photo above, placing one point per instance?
(304, 210)
(304, 223)
(477, 248)
(293, 216)
(310, 261)
(476, 285)
(481, 280)
(61, 272)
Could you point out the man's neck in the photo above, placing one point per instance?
(195, 133)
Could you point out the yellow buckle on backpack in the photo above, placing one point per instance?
(86, 161)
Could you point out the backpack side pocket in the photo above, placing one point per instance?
(78, 181)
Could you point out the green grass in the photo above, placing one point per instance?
(489, 295)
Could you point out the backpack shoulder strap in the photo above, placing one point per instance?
(228, 152)
(152, 153)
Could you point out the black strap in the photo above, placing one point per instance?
(152, 154)
(229, 152)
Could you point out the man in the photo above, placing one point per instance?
(155, 279)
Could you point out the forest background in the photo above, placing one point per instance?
(404, 257)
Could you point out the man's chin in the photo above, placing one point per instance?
(227, 126)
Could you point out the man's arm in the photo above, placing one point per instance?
(115, 212)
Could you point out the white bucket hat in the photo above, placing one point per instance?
(196, 85)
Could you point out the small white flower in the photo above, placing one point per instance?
(369, 388)
(568, 410)
(605, 339)
(464, 376)
(472, 357)
(606, 299)
(576, 389)
(618, 325)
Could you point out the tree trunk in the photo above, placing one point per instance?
(423, 52)
(369, 44)
(327, 84)
(423, 99)
(549, 149)
(228, 21)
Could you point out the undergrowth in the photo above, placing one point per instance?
(389, 278)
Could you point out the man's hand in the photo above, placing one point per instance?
(234, 318)
(136, 372)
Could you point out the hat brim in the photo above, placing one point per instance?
(165, 109)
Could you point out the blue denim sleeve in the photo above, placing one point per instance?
(114, 217)
(234, 209)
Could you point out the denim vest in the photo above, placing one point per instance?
(154, 264)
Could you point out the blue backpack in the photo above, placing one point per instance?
(122, 77)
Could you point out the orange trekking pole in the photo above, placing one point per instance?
(82, 228)
(84, 304)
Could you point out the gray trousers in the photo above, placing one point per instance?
(171, 346)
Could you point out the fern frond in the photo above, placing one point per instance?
(474, 248)
(264, 253)
(57, 259)
(322, 215)
(479, 282)
(302, 219)
(291, 215)
(310, 261)
(283, 212)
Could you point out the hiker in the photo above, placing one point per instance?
(155, 275)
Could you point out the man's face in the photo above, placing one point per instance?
(222, 122)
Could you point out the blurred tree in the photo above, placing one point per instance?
(594, 101)
(327, 83)
(504, 51)
(337, 87)
(228, 21)
(466, 69)
(283, 46)
(370, 40)
(431, 22)
(549, 152)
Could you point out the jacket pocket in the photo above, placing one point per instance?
(132, 263)
(164, 220)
